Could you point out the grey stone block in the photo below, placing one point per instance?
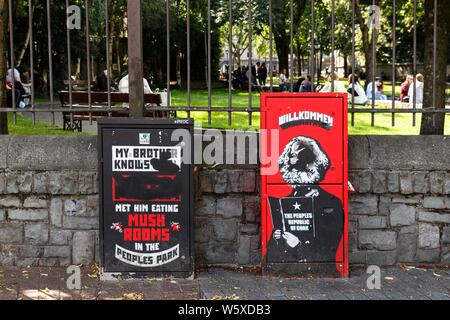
(384, 258)
(409, 152)
(434, 203)
(80, 223)
(224, 229)
(220, 182)
(384, 205)
(236, 180)
(430, 256)
(229, 207)
(206, 206)
(372, 222)
(421, 182)
(86, 182)
(92, 206)
(40, 182)
(42, 153)
(83, 247)
(36, 233)
(244, 250)
(428, 236)
(202, 230)
(69, 182)
(57, 252)
(30, 251)
(28, 214)
(445, 255)
(433, 217)
(393, 182)
(408, 230)
(359, 152)
(407, 246)
(2, 183)
(447, 202)
(49, 262)
(54, 185)
(406, 183)
(363, 205)
(75, 207)
(379, 182)
(7, 261)
(255, 242)
(248, 228)
(10, 202)
(358, 257)
(402, 215)
(4, 144)
(24, 182)
(35, 202)
(11, 233)
(447, 184)
(217, 253)
(437, 182)
(11, 183)
(408, 200)
(249, 181)
(60, 237)
(56, 212)
(446, 234)
(206, 182)
(26, 262)
(2, 214)
(252, 208)
(364, 182)
(377, 239)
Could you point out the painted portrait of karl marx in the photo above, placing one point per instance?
(307, 224)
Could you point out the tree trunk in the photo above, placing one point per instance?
(3, 50)
(26, 43)
(428, 126)
(282, 41)
(367, 42)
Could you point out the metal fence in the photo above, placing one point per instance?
(136, 72)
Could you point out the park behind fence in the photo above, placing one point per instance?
(373, 30)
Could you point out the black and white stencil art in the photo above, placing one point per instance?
(308, 223)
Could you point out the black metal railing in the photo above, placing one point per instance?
(135, 68)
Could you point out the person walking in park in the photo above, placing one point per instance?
(404, 93)
(262, 73)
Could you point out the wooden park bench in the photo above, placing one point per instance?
(73, 120)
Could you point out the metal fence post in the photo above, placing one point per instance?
(135, 59)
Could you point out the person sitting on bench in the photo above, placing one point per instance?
(18, 84)
(124, 88)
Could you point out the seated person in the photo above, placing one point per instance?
(417, 95)
(338, 85)
(378, 85)
(124, 88)
(306, 85)
(19, 85)
(360, 97)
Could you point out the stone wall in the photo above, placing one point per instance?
(400, 212)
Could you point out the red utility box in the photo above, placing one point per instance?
(304, 198)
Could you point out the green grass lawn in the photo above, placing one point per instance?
(240, 120)
(24, 126)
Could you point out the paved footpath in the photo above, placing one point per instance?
(397, 283)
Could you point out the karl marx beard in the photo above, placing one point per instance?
(303, 165)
